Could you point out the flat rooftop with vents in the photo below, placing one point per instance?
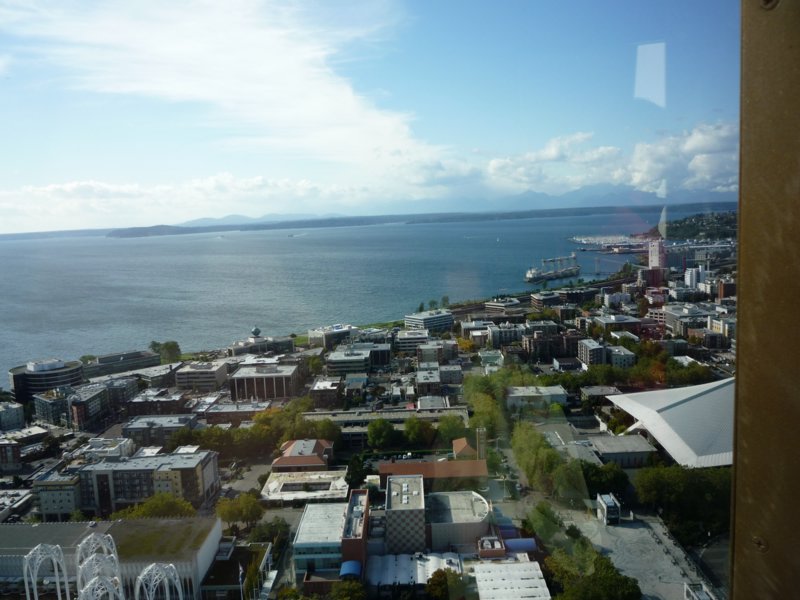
(404, 493)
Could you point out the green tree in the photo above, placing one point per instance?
(229, 511)
(347, 590)
(87, 358)
(465, 345)
(445, 584)
(445, 302)
(250, 508)
(604, 582)
(356, 471)
(251, 578)
(315, 365)
(544, 522)
(76, 516)
(421, 307)
(275, 531)
(380, 434)
(493, 461)
(170, 352)
(292, 593)
(418, 433)
(604, 479)
(450, 428)
(433, 304)
(161, 505)
(694, 502)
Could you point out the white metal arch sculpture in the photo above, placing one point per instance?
(93, 543)
(155, 576)
(98, 565)
(33, 562)
(102, 587)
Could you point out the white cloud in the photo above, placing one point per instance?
(263, 66)
(86, 204)
(705, 157)
(563, 163)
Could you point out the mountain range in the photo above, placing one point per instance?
(585, 197)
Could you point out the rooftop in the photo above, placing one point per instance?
(537, 390)
(413, 333)
(348, 354)
(322, 384)
(265, 371)
(693, 424)
(612, 444)
(201, 367)
(430, 402)
(148, 421)
(158, 395)
(356, 515)
(405, 492)
(306, 486)
(406, 569)
(177, 460)
(503, 580)
(235, 407)
(321, 524)
(168, 540)
(599, 390)
(427, 314)
(435, 470)
(456, 507)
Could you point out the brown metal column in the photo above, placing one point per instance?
(765, 552)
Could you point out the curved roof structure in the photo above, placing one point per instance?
(351, 568)
(693, 424)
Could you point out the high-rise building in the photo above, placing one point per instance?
(657, 255)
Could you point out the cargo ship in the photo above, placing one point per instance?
(560, 267)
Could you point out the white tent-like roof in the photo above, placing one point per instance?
(693, 424)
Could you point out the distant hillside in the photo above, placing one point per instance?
(709, 226)
(408, 219)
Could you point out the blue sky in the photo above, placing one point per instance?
(135, 113)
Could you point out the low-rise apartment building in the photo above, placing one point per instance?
(591, 352)
(432, 320)
(407, 340)
(535, 396)
(110, 485)
(331, 335)
(265, 382)
(57, 495)
(326, 392)
(12, 416)
(620, 357)
(155, 430)
(202, 376)
(120, 362)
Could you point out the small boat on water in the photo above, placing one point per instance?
(559, 267)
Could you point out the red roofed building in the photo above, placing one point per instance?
(439, 476)
(462, 449)
(303, 455)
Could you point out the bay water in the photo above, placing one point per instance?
(66, 297)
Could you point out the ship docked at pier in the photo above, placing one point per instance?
(559, 267)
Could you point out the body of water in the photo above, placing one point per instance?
(65, 297)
